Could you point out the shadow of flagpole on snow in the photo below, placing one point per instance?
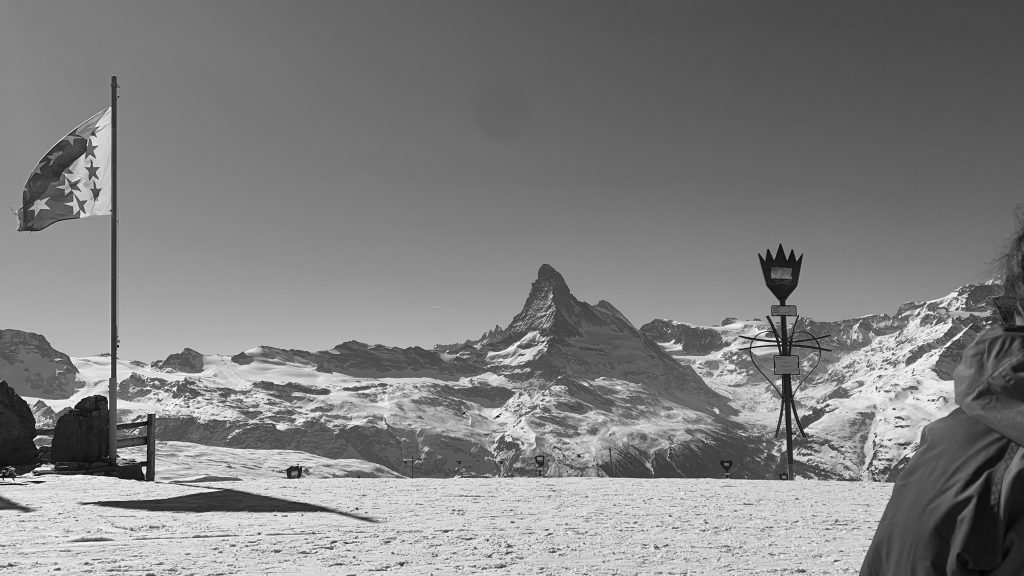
(224, 500)
(6, 504)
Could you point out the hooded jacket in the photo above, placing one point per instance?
(958, 507)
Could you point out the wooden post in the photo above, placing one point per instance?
(150, 447)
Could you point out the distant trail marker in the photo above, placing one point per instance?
(726, 465)
(412, 466)
(781, 275)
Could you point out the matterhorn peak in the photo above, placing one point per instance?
(556, 334)
(552, 284)
(548, 272)
(548, 307)
(552, 310)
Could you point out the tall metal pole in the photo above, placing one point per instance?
(787, 395)
(112, 391)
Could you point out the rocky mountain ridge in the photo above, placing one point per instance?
(32, 367)
(576, 382)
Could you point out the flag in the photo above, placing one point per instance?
(72, 180)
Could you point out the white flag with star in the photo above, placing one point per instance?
(73, 179)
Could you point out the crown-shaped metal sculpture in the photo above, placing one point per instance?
(781, 274)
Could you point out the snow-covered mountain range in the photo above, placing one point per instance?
(575, 382)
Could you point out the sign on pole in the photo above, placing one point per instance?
(780, 310)
(787, 365)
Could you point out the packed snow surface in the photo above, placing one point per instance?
(591, 526)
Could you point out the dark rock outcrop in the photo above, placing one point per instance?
(188, 361)
(17, 428)
(489, 337)
(33, 368)
(81, 434)
(289, 389)
(695, 340)
(135, 386)
(853, 334)
(357, 358)
(365, 360)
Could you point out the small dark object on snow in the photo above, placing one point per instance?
(294, 471)
(7, 472)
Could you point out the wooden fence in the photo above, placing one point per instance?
(148, 440)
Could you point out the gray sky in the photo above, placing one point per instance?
(304, 173)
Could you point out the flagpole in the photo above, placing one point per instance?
(112, 391)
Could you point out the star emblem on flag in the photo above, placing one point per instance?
(39, 205)
(77, 206)
(69, 186)
(76, 166)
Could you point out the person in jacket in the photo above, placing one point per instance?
(957, 509)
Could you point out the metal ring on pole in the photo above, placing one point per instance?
(750, 351)
(816, 363)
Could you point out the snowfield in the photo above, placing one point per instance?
(588, 526)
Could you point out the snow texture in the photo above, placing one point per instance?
(563, 526)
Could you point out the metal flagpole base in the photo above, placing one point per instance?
(112, 432)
